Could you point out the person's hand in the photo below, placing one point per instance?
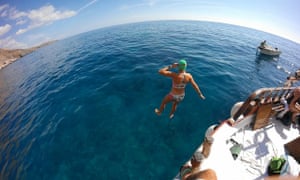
(201, 95)
(174, 65)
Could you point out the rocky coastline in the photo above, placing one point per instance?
(8, 56)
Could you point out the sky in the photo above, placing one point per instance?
(27, 23)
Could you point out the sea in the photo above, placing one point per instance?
(83, 107)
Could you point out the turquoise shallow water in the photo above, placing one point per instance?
(83, 107)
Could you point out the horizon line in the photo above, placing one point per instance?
(157, 20)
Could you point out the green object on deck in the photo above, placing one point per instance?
(235, 150)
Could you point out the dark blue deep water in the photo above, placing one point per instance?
(83, 107)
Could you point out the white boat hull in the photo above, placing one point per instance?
(269, 51)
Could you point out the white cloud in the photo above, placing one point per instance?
(3, 7)
(21, 31)
(10, 12)
(13, 13)
(3, 10)
(32, 19)
(44, 16)
(36, 17)
(48, 14)
(21, 21)
(4, 29)
(9, 43)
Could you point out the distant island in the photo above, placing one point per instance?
(8, 56)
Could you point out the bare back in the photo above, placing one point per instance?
(180, 78)
(179, 81)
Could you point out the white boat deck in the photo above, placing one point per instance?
(259, 147)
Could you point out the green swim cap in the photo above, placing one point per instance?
(182, 65)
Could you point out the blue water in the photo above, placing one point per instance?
(83, 107)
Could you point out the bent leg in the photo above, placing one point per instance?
(166, 100)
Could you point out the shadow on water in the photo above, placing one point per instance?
(262, 60)
(263, 57)
(267, 66)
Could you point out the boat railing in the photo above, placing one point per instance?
(270, 97)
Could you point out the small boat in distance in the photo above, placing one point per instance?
(268, 50)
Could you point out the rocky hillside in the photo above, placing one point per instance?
(14, 54)
(8, 56)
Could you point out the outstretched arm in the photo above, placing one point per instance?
(166, 70)
(195, 86)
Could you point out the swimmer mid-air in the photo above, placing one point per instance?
(179, 82)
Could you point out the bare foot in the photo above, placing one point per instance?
(157, 112)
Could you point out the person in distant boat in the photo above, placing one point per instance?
(263, 44)
(179, 80)
(294, 105)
